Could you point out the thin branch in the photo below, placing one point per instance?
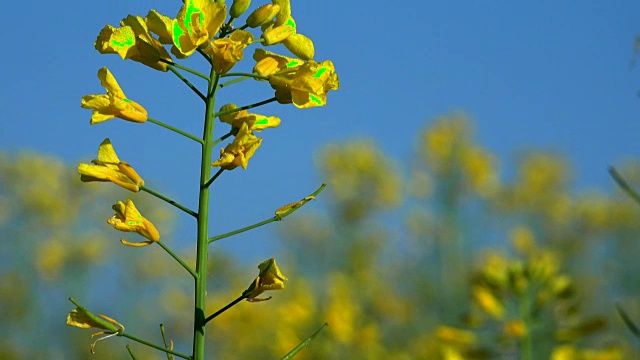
(166, 199)
(174, 129)
(227, 307)
(178, 259)
(624, 184)
(246, 107)
(303, 344)
(189, 84)
(213, 178)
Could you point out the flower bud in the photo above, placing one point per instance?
(277, 34)
(239, 7)
(262, 15)
(285, 11)
(300, 46)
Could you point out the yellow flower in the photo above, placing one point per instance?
(300, 46)
(82, 318)
(309, 85)
(127, 218)
(226, 52)
(262, 15)
(112, 104)
(255, 122)
(268, 63)
(270, 278)
(488, 302)
(197, 22)
(160, 25)
(239, 151)
(109, 168)
(284, 13)
(133, 41)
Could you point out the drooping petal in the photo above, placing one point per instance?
(127, 218)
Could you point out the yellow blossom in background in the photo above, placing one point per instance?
(268, 63)
(515, 329)
(239, 151)
(262, 15)
(197, 22)
(255, 122)
(488, 302)
(109, 168)
(309, 85)
(523, 240)
(479, 167)
(227, 51)
(127, 218)
(50, 259)
(112, 104)
(133, 41)
(160, 25)
(270, 278)
(455, 336)
(443, 140)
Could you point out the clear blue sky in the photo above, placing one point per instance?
(544, 74)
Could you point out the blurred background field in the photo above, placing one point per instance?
(468, 212)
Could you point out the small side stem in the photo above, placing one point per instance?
(177, 258)
(256, 76)
(246, 107)
(166, 199)
(224, 137)
(189, 70)
(624, 184)
(227, 307)
(167, 344)
(303, 344)
(157, 347)
(183, 133)
(234, 81)
(133, 356)
(213, 178)
(188, 83)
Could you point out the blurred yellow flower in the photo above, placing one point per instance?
(239, 151)
(109, 168)
(255, 122)
(488, 302)
(133, 41)
(268, 63)
(112, 104)
(309, 85)
(455, 336)
(127, 218)
(227, 51)
(270, 278)
(197, 22)
(515, 329)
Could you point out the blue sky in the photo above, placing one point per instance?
(546, 74)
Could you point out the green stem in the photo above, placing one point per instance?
(177, 258)
(227, 307)
(234, 81)
(203, 221)
(256, 76)
(224, 137)
(303, 344)
(270, 220)
(166, 199)
(167, 126)
(213, 178)
(207, 57)
(131, 352)
(158, 347)
(167, 344)
(624, 184)
(246, 107)
(189, 70)
(189, 84)
(526, 343)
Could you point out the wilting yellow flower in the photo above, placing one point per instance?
(112, 104)
(133, 41)
(127, 218)
(275, 34)
(268, 63)
(84, 319)
(226, 52)
(270, 278)
(109, 168)
(300, 46)
(197, 22)
(255, 122)
(262, 15)
(309, 85)
(239, 151)
(160, 25)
